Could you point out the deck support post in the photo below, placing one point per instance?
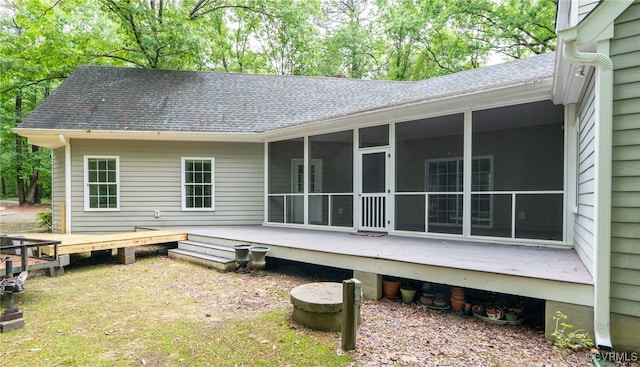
(371, 284)
(126, 255)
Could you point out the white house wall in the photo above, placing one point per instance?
(150, 180)
(625, 211)
(584, 220)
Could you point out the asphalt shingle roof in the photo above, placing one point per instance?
(108, 98)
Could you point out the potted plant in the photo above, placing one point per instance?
(408, 292)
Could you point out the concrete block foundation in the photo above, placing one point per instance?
(371, 284)
(127, 255)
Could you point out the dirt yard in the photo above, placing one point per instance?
(391, 333)
(15, 219)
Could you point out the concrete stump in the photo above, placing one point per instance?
(318, 305)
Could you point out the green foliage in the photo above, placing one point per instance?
(45, 219)
(566, 339)
(42, 42)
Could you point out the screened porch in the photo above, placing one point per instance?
(495, 174)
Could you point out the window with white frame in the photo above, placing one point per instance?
(444, 176)
(102, 183)
(198, 184)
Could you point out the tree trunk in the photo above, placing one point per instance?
(19, 151)
(32, 193)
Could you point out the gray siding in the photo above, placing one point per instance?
(58, 188)
(583, 228)
(150, 179)
(625, 216)
(585, 7)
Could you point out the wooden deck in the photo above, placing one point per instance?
(79, 243)
(546, 273)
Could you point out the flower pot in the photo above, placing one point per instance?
(408, 295)
(494, 313)
(242, 257)
(390, 288)
(517, 309)
(511, 316)
(456, 304)
(457, 293)
(258, 257)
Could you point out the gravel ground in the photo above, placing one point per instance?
(396, 334)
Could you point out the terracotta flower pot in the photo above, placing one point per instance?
(390, 288)
(456, 304)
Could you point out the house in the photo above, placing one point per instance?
(540, 153)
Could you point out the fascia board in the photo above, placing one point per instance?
(50, 138)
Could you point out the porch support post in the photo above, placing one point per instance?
(356, 180)
(307, 184)
(371, 284)
(467, 166)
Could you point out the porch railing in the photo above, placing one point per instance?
(373, 212)
(480, 220)
(291, 200)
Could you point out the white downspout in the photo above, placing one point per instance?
(603, 137)
(67, 182)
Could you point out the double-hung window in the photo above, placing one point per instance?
(102, 183)
(198, 184)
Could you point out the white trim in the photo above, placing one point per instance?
(87, 202)
(305, 179)
(602, 192)
(183, 184)
(356, 178)
(571, 167)
(67, 185)
(391, 175)
(467, 153)
(266, 186)
(385, 149)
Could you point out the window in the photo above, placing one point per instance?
(101, 183)
(197, 183)
(444, 176)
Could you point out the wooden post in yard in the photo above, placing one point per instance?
(351, 289)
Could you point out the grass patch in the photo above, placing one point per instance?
(158, 312)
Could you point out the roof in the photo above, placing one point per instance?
(121, 99)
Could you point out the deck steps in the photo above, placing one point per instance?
(210, 261)
(223, 251)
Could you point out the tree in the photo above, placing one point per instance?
(43, 41)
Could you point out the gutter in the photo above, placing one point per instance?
(602, 252)
(571, 53)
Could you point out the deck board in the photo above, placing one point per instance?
(78, 243)
(521, 261)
